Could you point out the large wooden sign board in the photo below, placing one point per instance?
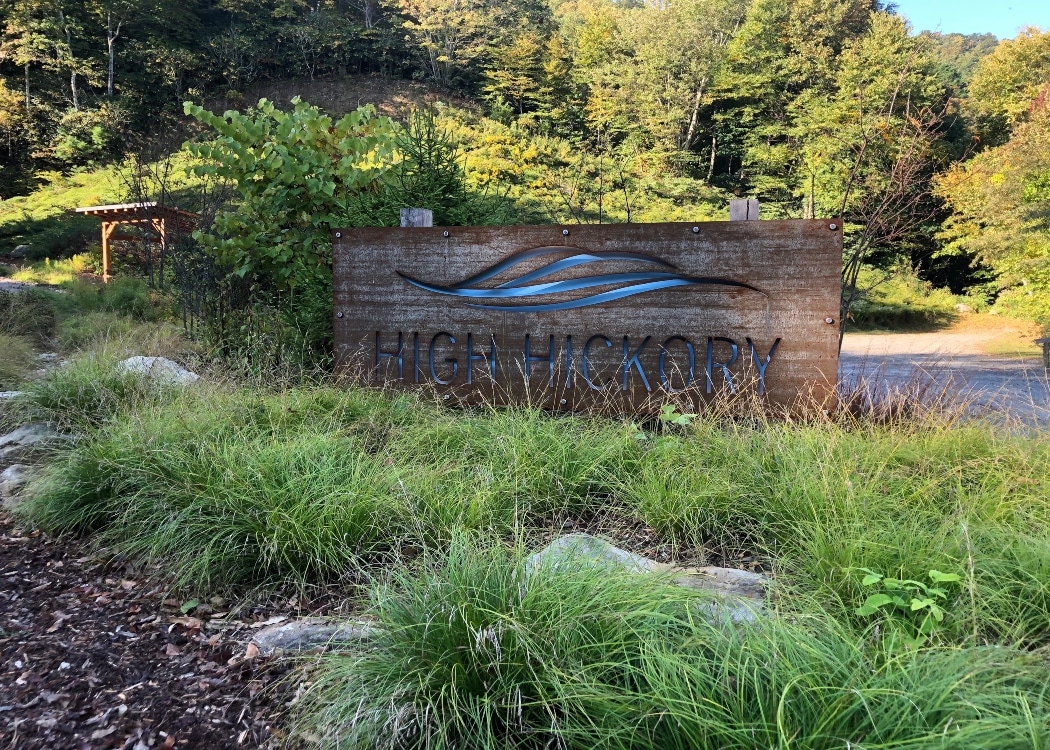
(627, 316)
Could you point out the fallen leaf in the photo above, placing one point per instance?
(172, 650)
(251, 652)
(189, 606)
(100, 733)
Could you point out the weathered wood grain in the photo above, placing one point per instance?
(795, 264)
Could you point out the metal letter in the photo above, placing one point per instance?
(453, 360)
(529, 359)
(664, 380)
(633, 361)
(399, 355)
(762, 365)
(711, 364)
(587, 359)
(473, 356)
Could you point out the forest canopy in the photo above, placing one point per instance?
(929, 145)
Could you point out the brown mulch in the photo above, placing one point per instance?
(94, 655)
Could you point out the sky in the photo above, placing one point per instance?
(1000, 17)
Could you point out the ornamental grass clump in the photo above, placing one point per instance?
(474, 652)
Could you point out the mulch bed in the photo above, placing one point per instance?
(95, 655)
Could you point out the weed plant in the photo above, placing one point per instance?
(476, 653)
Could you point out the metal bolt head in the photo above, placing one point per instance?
(829, 321)
(338, 235)
(338, 315)
(445, 233)
(696, 230)
(565, 232)
(833, 227)
(563, 402)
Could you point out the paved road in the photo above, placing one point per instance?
(951, 361)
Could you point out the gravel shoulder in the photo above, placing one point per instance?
(953, 360)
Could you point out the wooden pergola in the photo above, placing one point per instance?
(158, 222)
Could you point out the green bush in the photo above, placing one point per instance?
(478, 653)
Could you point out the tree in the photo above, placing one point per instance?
(1001, 211)
(1007, 81)
(293, 173)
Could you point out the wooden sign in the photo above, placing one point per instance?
(624, 315)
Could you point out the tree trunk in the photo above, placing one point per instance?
(711, 163)
(694, 118)
(27, 87)
(72, 60)
(111, 43)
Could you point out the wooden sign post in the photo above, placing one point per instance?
(623, 315)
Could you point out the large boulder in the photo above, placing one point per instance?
(740, 594)
(159, 369)
(21, 251)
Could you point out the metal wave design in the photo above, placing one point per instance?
(523, 288)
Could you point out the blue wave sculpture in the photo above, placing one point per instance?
(629, 284)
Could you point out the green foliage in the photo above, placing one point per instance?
(900, 301)
(476, 652)
(920, 605)
(428, 174)
(293, 172)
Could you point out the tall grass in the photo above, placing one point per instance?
(234, 487)
(474, 653)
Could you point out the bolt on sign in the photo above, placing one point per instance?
(623, 315)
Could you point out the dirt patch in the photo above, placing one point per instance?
(393, 97)
(93, 655)
(982, 362)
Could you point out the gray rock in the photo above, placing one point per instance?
(962, 308)
(9, 395)
(309, 633)
(21, 251)
(33, 435)
(159, 369)
(741, 592)
(13, 480)
(27, 440)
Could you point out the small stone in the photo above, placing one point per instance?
(160, 369)
(10, 395)
(32, 435)
(307, 634)
(21, 251)
(13, 480)
(741, 593)
(963, 308)
(26, 440)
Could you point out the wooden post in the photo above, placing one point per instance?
(107, 232)
(1045, 343)
(417, 217)
(743, 209)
